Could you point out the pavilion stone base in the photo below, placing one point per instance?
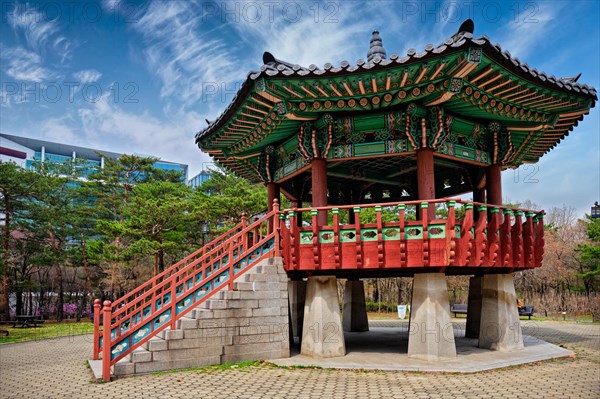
(500, 328)
(354, 318)
(431, 336)
(297, 296)
(322, 334)
(474, 307)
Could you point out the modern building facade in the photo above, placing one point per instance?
(198, 179)
(26, 151)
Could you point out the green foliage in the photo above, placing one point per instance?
(590, 255)
(224, 198)
(383, 306)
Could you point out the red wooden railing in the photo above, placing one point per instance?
(132, 320)
(484, 236)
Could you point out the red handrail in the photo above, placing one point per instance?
(157, 304)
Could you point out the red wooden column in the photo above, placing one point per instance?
(273, 193)
(425, 178)
(319, 188)
(493, 184)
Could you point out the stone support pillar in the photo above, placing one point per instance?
(474, 307)
(500, 328)
(354, 317)
(431, 336)
(296, 295)
(322, 334)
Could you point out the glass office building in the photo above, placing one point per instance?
(26, 152)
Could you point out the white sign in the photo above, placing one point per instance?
(402, 312)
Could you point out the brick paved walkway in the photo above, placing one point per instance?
(57, 369)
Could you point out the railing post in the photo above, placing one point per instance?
(294, 236)
(316, 246)
(106, 344)
(451, 232)
(517, 240)
(97, 303)
(336, 237)
(479, 238)
(528, 245)
(425, 224)
(173, 304)
(276, 228)
(231, 263)
(505, 239)
(403, 255)
(244, 234)
(493, 239)
(539, 239)
(380, 257)
(358, 238)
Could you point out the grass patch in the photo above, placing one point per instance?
(46, 330)
(236, 366)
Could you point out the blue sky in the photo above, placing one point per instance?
(141, 77)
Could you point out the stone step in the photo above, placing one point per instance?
(155, 344)
(140, 355)
(170, 335)
(124, 367)
(187, 323)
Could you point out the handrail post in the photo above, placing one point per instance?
(106, 345)
(276, 227)
(336, 237)
(316, 246)
(97, 303)
(244, 234)
(451, 232)
(380, 257)
(425, 231)
(358, 238)
(173, 304)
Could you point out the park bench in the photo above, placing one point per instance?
(26, 321)
(458, 308)
(526, 311)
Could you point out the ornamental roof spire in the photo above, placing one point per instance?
(376, 47)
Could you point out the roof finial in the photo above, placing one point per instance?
(376, 47)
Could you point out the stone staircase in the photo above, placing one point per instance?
(248, 323)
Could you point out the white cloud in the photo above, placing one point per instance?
(185, 59)
(87, 76)
(523, 35)
(59, 130)
(24, 65)
(41, 34)
(104, 123)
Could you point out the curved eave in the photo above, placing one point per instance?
(463, 41)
